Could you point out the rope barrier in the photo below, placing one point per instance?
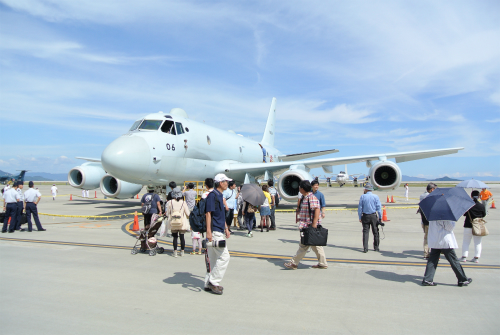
(88, 216)
(345, 209)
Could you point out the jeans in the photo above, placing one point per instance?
(229, 217)
(249, 219)
(272, 217)
(477, 243)
(433, 261)
(217, 260)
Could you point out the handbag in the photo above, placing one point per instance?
(478, 226)
(314, 236)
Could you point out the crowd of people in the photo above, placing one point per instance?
(16, 203)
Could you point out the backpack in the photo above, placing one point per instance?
(147, 204)
(276, 199)
(197, 217)
(176, 218)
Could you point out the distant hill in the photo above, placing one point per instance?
(4, 174)
(446, 178)
(409, 178)
(44, 176)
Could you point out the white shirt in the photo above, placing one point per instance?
(11, 196)
(441, 235)
(21, 195)
(31, 195)
(53, 189)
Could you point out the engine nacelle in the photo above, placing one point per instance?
(385, 175)
(288, 184)
(86, 176)
(119, 189)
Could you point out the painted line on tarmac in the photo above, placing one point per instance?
(127, 229)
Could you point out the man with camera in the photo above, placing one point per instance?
(217, 255)
(369, 206)
(308, 214)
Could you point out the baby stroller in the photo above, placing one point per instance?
(147, 237)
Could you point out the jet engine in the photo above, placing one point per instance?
(385, 175)
(86, 176)
(119, 189)
(289, 181)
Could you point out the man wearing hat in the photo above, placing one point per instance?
(217, 258)
(369, 206)
(31, 198)
(10, 200)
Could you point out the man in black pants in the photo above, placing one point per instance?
(369, 206)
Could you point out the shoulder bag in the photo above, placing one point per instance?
(478, 226)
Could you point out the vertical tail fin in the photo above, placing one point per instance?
(268, 137)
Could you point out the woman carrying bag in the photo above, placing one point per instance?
(177, 212)
(476, 211)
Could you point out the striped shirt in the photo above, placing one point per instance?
(306, 217)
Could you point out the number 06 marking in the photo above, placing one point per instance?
(168, 147)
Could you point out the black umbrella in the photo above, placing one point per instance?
(446, 204)
(253, 194)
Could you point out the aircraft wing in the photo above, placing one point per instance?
(259, 168)
(97, 160)
(294, 157)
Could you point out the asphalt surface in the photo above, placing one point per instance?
(79, 277)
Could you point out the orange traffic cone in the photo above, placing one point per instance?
(493, 205)
(9, 221)
(388, 201)
(384, 214)
(136, 222)
(392, 199)
(137, 195)
(95, 195)
(70, 197)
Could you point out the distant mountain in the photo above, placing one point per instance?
(408, 178)
(446, 178)
(4, 174)
(46, 176)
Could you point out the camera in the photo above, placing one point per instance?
(380, 223)
(214, 244)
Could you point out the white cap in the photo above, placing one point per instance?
(221, 177)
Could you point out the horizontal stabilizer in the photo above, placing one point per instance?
(97, 160)
(296, 157)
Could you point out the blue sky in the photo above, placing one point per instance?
(359, 76)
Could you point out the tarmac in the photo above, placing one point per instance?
(80, 277)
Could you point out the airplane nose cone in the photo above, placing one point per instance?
(127, 157)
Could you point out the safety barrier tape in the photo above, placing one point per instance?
(88, 216)
(345, 209)
(398, 196)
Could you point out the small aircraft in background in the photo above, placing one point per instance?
(343, 177)
(19, 177)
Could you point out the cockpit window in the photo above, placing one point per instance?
(150, 124)
(168, 127)
(135, 125)
(179, 128)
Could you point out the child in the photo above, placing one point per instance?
(196, 237)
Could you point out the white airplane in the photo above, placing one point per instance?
(164, 147)
(343, 177)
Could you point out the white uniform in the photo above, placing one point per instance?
(53, 189)
(406, 192)
(11, 196)
(87, 193)
(31, 195)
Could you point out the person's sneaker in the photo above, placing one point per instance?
(317, 266)
(175, 253)
(475, 260)
(193, 253)
(182, 253)
(290, 265)
(200, 253)
(465, 283)
(463, 259)
(428, 283)
(251, 234)
(215, 289)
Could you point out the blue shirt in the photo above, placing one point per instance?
(217, 210)
(154, 199)
(321, 199)
(230, 196)
(369, 203)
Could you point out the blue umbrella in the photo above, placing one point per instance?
(472, 183)
(446, 204)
